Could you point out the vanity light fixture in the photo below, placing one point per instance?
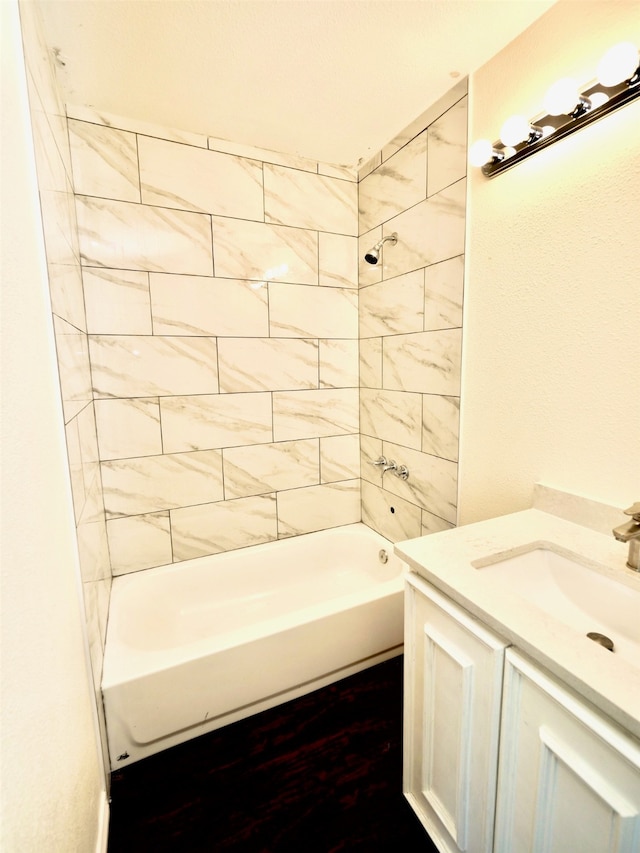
(567, 108)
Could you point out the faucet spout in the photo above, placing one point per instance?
(627, 532)
(630, 532)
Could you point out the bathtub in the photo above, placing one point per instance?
(196, 645)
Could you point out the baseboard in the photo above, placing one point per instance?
(103, 824)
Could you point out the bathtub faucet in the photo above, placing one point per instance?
(389, 465)
(630, 532)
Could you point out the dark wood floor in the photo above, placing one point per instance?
(320, 774)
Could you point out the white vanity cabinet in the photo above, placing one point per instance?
(490, 735)
(568, 779)
(453, 686)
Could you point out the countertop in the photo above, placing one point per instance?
(610, 683)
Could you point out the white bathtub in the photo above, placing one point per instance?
(194, 646)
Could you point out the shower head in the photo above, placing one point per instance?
(373, 255)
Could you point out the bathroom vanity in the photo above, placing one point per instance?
(521, 733)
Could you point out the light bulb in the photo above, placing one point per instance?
(562, 97)
(618, 64)
(481, 152)
(515, 129)
(598, 99)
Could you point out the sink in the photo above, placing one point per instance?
(565, 587)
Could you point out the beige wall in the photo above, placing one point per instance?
(552, 305)
(52, 783)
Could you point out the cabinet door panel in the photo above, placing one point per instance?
(568, 780)
(452, 710)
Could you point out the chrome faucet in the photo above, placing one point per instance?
(630, 532)
(389, 465)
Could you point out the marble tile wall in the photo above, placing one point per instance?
(410, 321)
(54, 172)
(221, 295)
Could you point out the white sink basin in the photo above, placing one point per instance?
(572, 592)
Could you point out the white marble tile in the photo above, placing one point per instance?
(393, 517)
(265, 468)
(188, 178)
(146, 366)
(392, 415)
(293, 197)
(122, 235)
(339, 363)
(50, 165)
(368, 167)
(154, 483)
(432, 482)
(311, 414)
(315, 312)
(67, 298)
(370, 451)
(93, 509)
(263, 252)
(427, 362)
(58, 227)
(128, 428)
(267, 364)
(263, 154)
(75, 467)
(73, 366)
(39, 59)
(371, 362)
(104, 160)
(216, 527)
(88, 439)
(117, 301)
(83, 113)
(215, 420)
(339, 458)
(347, 173)
(433, 524)
(369, 273)
(447, 148)
(431, 114)
(440, 425)
(93, 551)
(395, 185)
(139, 542)
(338, 260)
(393, 306)
(431, 231)
(443, 293)
(318, 508)
(200, 305)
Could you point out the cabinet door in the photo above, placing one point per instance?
(453, 682)
(568, 780)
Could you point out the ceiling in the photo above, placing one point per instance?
(332, 80)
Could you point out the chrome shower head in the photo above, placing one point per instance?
(373, 255)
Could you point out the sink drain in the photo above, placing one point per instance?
(601, 639)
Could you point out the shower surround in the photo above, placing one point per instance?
(205, 308)
(410, 321)
(222, 318)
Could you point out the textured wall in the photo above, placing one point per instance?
(411, 321)
(220, 286)
(53, 163)
(552, 305)
(52, 779)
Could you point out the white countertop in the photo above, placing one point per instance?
(445, 560)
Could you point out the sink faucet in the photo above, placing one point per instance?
(630, 532)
